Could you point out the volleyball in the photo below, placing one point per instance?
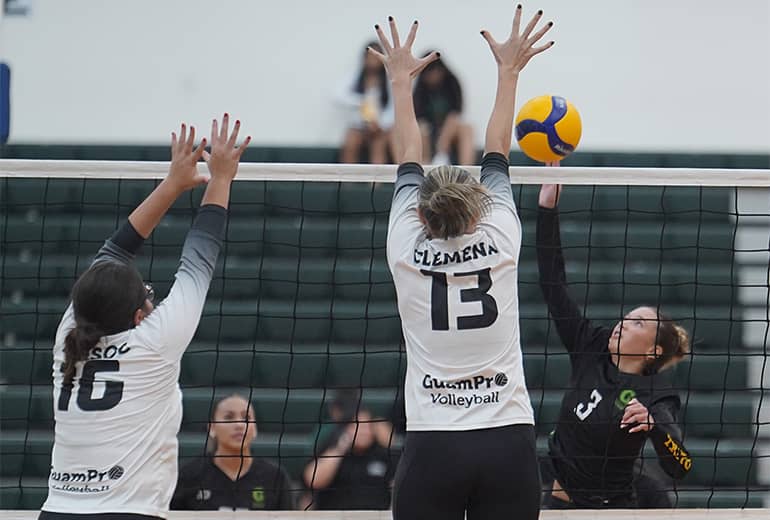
(548, 128)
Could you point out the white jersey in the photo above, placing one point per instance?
(458, 302)
(115, 446)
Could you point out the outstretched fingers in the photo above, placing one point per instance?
(411, 36)
(516, 21)
(380, 56)
(539, 34)
(214, 131)
(531, 25)
(182, 135)
(394, 32)
(427, 60)
(190, 139)
(488, 37)
(244, 144)
(200, 150)
(223, 131)
(537, 50)
(234, 135)
(383, 40)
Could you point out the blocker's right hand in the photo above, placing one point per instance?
(397, 59)
(513, 54)
(550, 193)
(224, 157)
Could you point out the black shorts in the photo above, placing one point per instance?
(491, 473)
(47, 515)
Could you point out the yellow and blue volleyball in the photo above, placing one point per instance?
(548, 128)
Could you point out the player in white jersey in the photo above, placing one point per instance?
(117, 402)
(453, 249)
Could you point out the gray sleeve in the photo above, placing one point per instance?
(494, 175)
(404, 224)
(171, 327)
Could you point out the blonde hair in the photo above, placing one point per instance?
(451, 200)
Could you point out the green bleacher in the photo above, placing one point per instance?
(303, 303)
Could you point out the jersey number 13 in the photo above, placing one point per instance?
(439, 300)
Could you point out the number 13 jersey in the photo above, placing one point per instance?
(458, 302)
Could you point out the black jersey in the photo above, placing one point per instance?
(203, 486)
(593, 458)
(362, 482)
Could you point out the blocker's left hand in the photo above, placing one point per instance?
(637, 413)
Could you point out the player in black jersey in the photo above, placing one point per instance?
(231, 478)
(618, 397)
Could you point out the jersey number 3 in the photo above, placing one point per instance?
(113, 390)
(439, 296)
(583, 410)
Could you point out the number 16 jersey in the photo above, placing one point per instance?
(115, 448)
(458, 302)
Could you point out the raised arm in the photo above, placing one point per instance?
(183, 175)
(575, 331)
(172, 325)
(511, 56)
(321, 471)
(402, 68)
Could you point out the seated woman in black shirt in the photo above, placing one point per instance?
(617, 396)
(353, 470)
(231, 478)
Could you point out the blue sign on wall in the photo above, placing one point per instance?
(5, 102)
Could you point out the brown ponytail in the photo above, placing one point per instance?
(77, 345)
(104, 300)
(675, 342)
(451, 201)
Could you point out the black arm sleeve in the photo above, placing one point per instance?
(127, 238)
(666, 438)
(575, 331)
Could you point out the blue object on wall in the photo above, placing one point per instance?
(5, 102)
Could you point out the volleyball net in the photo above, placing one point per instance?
(302, 311)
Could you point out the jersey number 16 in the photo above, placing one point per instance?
(439, 300)
(113, 390)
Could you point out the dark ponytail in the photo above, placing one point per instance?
(104, 300)
(77, 345)
(674, 341)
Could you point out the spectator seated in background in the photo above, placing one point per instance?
(354, 470)
(438, 104)
(230, 478)
(367, 101)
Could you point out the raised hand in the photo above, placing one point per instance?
(183, 172)
(397, 58)
(224, 157)
(514, 53)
